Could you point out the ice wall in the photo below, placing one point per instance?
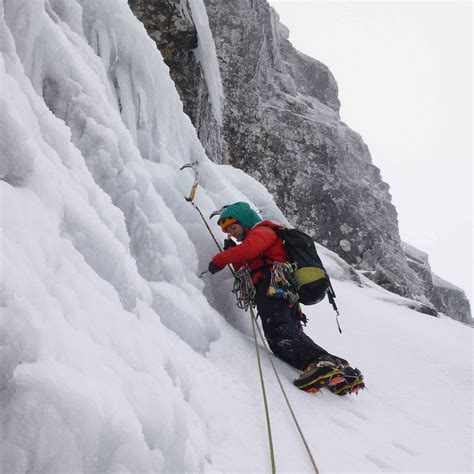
(206, 54)
(103, 320)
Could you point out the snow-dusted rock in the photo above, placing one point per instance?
(446, 297)
(419, 262)
(451, 300)
(281, 125)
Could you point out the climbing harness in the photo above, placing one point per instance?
(244, 289)
(250, 294)
(283, 285)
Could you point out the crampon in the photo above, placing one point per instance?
(353, 382)
(319, 375)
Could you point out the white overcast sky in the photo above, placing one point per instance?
(404, 71)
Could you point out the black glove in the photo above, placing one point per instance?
(213, 268)
(228, 244)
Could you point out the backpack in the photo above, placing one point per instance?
(313, 281)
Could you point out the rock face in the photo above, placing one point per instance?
(451, 301)
(446, 298)
(281, 125)
(419, 263)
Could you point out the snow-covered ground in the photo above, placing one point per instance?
(114, 355)
(415, 416)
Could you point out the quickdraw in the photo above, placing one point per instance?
(282, 283)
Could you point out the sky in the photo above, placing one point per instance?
(404, 72)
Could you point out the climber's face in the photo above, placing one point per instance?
(235, 230)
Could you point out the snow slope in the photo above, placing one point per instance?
(114, 355)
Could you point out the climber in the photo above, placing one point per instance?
(260, 247)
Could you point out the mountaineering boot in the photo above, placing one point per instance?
(319, 374)
(352, 382)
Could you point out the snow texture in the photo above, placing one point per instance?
(113, 354)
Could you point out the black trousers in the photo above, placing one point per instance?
(283, 331)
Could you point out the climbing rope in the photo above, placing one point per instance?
(285, 396)
(264, 394)
(250, 297)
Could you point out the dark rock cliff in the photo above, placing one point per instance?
(281, 125)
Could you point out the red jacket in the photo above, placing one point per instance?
(258, 241)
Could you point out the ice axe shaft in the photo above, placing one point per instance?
(194, 165)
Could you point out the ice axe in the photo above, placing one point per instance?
(194, 165)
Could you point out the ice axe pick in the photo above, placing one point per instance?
(194, 165)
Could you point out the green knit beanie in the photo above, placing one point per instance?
(241, 211)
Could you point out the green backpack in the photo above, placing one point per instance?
(313, 281)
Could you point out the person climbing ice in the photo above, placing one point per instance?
(263, 257)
